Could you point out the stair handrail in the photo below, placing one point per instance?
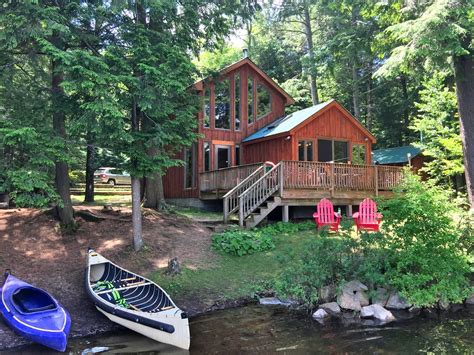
(259, 192)
(231, 198)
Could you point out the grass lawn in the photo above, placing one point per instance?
(100, 200)
(197, 213)
(231, 277)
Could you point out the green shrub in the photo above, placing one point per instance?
(425, 237)
(327, 260)
(243, 242)
(77, 176)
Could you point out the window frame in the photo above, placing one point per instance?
(267, 89)
(229, 89)
(209, 145)
(190, 150)
(305, 151)
(207, 88)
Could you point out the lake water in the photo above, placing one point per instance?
(264, 329)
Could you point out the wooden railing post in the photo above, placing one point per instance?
(333, 183)
(281, 176)
(376, 177)
(241, 212)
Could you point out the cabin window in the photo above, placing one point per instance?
(305, 150)
(237, 155)
(250, 99)
(222, 111)
(264, 101)
(341, 152)
(189, 167)
(358, 154)
(237, 101)
(207, 156)
(207, 108)
(334, 151)
(324, 150)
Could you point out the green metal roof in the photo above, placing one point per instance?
(286, 123)
(395, 155)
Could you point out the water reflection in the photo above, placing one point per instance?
(258, 329)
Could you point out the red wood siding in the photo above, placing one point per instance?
(331, 124)
(173, 181)
(272, 150)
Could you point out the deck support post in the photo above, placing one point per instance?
(349, 210)
(286, 213)
(226, 210)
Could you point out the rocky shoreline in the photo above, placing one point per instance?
(354, 305)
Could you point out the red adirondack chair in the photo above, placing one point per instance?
(367, 218)
(325, 215)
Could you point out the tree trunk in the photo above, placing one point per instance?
(312, 64)
(368, 117)
(154, 194)
(136, 197)
(406, 113)
(136, 214)
(355, 91)
(65, 212)
(90, 157)
(464, 72)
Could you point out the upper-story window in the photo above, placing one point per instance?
(250, 99)
(222, 111)
(264, 101)
(207, 108)
(237, 100)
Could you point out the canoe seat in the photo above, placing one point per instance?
(32, 300)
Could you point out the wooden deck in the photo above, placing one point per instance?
(247, 188)
(304, 178)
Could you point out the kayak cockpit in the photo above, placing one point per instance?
(28, 300)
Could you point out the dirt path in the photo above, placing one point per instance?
(32, 246)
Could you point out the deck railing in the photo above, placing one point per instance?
(330, 176)
(231, 199)
(260, 191)
(225, 179)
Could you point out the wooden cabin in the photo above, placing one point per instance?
(320, 151)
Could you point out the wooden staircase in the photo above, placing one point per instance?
(262, 211)
(256, 196)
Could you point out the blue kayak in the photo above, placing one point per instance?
(34, 314)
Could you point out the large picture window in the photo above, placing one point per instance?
(189, 166)
(250, 99)
(335, 151)
(222, 111)
(206, 109)
(237, 101)
(264, 102)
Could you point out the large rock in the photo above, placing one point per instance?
(332, 308)
(378, 312)
(395, 301)
(269, 301)
(381, 296)
(320, 314)
(327, 293)
(353, 296)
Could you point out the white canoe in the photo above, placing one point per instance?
(144, 307)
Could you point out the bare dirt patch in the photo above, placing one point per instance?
(33, 247)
